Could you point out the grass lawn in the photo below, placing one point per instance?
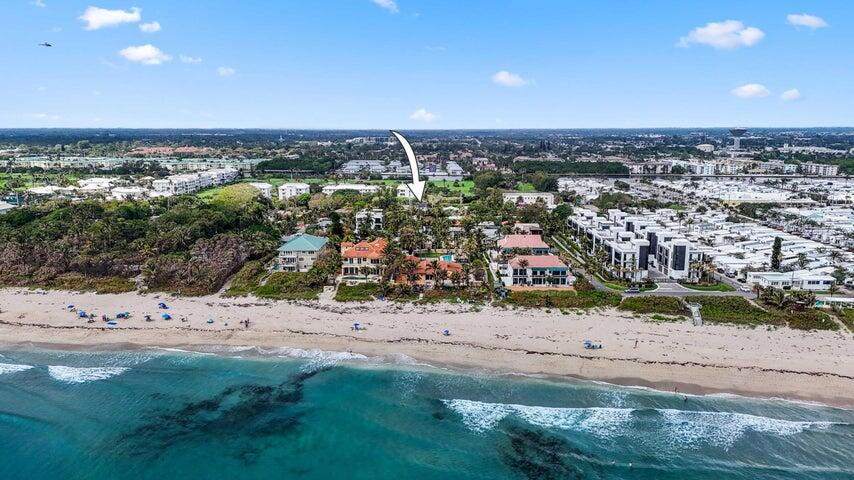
(288, 286)
(466, 187)
(525, 187)
(361, 292)
(713, 287)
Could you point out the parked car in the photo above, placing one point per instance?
(632, 290)
(745, 288)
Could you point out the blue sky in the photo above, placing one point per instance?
(426, 63)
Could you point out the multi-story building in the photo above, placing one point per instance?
(373, 217)
(299, 252)
(265, 188)
(530, 198)
(536, 270)
(358, 187)
(820, 169)
(288, 190)
(362, 261)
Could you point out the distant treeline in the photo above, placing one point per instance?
(569, 167)
(297, 164)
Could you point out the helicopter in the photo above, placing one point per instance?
(46, 44)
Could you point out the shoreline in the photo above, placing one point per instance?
(780, 363)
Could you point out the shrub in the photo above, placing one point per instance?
(357, 293)
(288, 286)
(663, 305)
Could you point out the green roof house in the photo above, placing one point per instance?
(299, 252)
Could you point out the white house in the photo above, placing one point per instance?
(404, 192)
(288, 190)
(129, 193)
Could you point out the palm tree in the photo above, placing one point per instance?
(802, 260)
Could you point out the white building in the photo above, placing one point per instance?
(532, 198)
(129, 193)
(403, 191)
(5, 207)
(358, 187)
(288, 190)
(705, 147)
(265, 188)
(374, 217)
(794, 280)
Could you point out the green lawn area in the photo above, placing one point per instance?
(466, 187)
(525, 187)
(714, 287)
(288, 286)
(361, 292)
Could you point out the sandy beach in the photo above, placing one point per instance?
(779, 363)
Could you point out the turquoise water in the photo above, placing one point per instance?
(162, 415)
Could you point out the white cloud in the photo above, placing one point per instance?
(751, 90)
(145, 54)
(96, 18)
(189, 59)
(509, 79)
(791, 95)
(726, 34)
(150, 27)
(389, 5)
(38, 3)
(225, 71)
(423, 115)
(805, 20)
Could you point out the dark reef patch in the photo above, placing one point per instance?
(240, 414)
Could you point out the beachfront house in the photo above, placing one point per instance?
(363, 261)
(425, 272)
(536, 270)
(299, 252)
(531, 243)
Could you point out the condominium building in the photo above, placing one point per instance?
(288, 190)
(358, 187)
(265, 188)
(530, 198)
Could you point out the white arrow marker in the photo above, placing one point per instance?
(417, 185)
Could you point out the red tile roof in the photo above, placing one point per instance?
(522, 241)
(371, 250)
(425, 267)
(538, 261)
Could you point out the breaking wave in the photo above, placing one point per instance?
(83, 374)
(12, 368)
(681, 428)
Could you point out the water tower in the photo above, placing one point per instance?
(737, 133)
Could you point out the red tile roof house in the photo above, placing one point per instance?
(536, 270)
(424, 271)
(534, 243)
(362, 261)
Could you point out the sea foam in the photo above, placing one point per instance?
(83, 374)
(12, 368)
(682, 428)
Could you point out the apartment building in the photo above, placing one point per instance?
(358, 187)
(265, 188)
(530, 198)
(373, 217)
(289, 190)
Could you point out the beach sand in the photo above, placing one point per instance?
(779, 363)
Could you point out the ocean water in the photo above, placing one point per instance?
(285, 413)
